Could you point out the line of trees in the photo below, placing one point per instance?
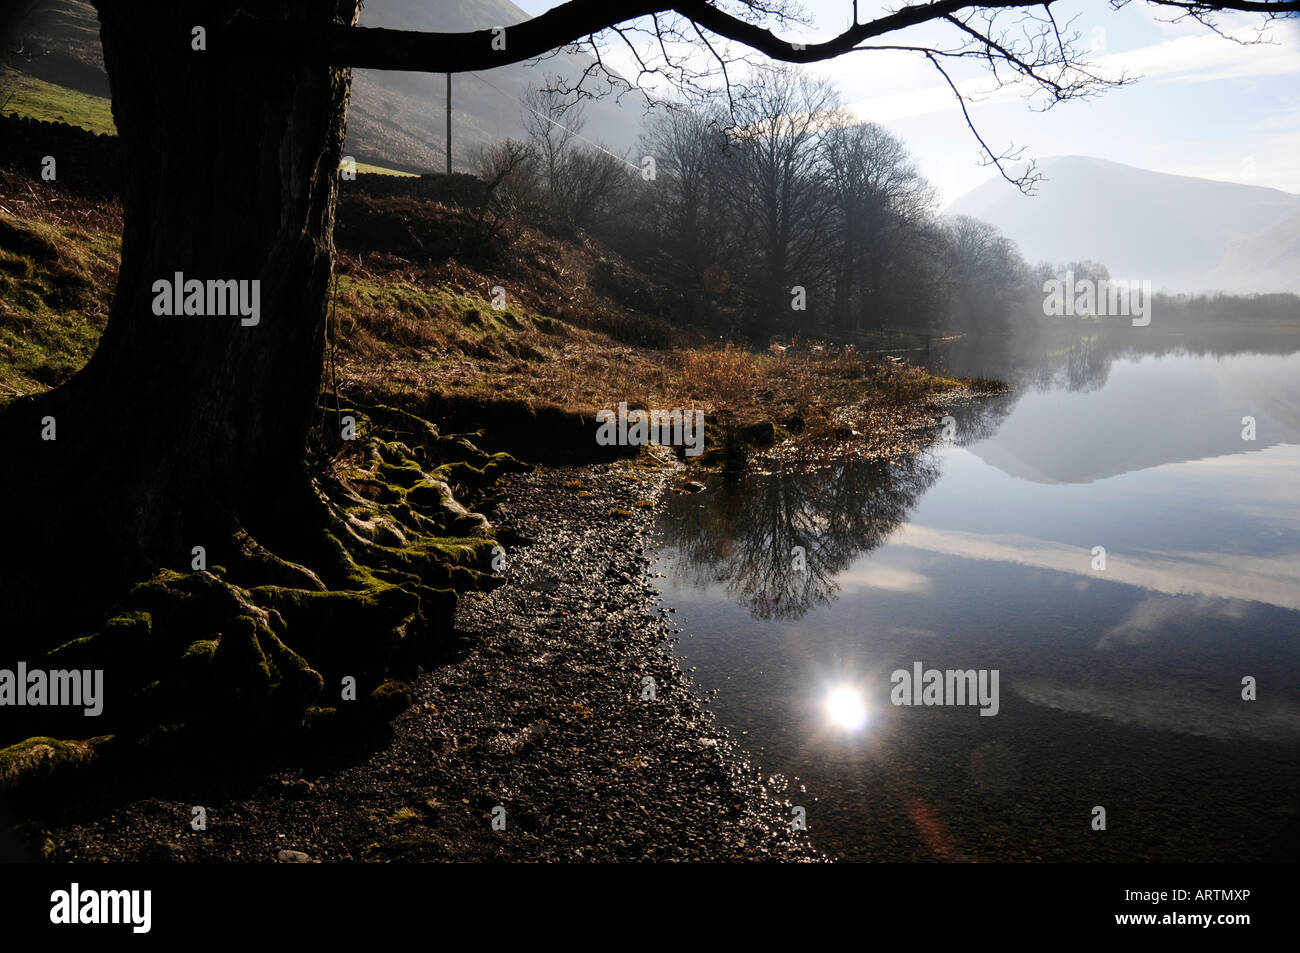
(737, 209)
(785, 216)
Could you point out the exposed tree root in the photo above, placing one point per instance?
(310, 610)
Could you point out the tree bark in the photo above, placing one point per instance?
(181, 423)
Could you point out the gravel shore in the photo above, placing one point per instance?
(542, 720)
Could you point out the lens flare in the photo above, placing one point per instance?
(845, 709)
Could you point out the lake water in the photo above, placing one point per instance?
(801, 593)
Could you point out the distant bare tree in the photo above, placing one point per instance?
(552, 124)
(777, 172)
(510, 188)
(689, 148)
(878, 198)
(986, 274)
(593, 185)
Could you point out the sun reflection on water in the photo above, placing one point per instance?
(845, 708)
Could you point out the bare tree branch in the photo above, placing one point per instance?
(1039, 53)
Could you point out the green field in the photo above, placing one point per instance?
(365, 168)
(41, 100)
(24, 96)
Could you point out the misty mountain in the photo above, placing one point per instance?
(1182, 233)
(395, 119)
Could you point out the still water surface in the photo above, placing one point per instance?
(1118, 688)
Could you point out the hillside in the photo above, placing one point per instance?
(395, 120)
(1275, 251)
(1182, 233)
(581, 329)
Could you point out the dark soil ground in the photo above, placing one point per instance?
(541, 714)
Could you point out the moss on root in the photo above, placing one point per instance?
(43, 758)
(357, 579)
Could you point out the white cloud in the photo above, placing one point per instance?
(1155, 613)
(1201, 58)
(877, 576)
(1167, 709)
(1255, 578)
(1205, 57)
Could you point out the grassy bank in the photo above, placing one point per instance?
(58, 265)
(37, 99)
(563, 337)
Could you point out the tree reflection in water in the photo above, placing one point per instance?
(778, 540)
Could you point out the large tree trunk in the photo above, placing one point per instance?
(181, 422)
(192, 430)
(230, 171)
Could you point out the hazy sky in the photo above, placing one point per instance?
(1201, 105)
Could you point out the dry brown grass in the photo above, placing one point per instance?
(403, 332)
(725, 377)
(404, 339)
